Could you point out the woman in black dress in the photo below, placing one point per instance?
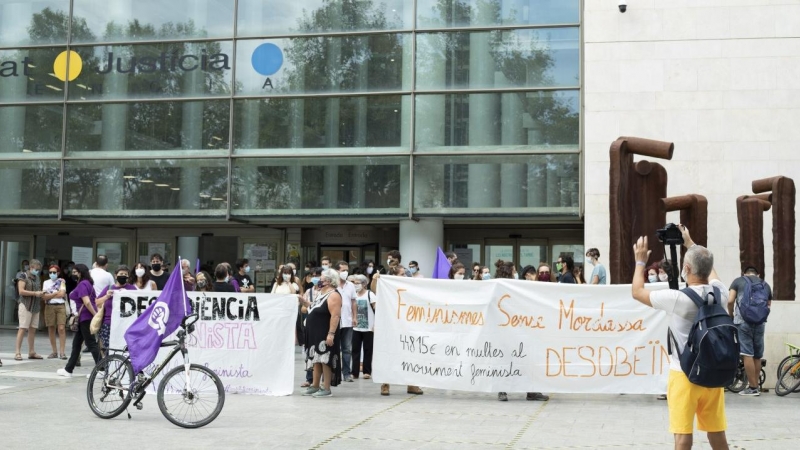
(322, 335)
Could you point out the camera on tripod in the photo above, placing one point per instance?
(670, 235)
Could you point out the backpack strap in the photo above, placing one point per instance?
(699, 301)
(369, 300)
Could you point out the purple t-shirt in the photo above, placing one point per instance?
(110, 302)
(235, 284)
(84, 289)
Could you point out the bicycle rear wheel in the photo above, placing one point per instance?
(193, 404)
(740, 382)
(107, 390)
(788, 379)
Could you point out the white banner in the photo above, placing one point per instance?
(518, 336)
(247, 339)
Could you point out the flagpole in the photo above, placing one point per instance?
(183, 289)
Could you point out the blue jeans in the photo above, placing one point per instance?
(751, 340)
(347, 351)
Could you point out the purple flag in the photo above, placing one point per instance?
(441, 269)
(197, 267)
(158, 321)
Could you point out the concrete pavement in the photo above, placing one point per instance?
(38, 409)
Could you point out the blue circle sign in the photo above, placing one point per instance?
(267, 59)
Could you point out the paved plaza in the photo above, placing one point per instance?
(39, 409)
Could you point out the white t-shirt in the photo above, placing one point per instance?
(365, 316)
(348, 293)
(682, 311)
(48, 286)
(102, 279)
(286, 288)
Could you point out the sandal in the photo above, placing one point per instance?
(35, 356)
(17, 357)
(63, 356)
(52, 355)
(306, 384)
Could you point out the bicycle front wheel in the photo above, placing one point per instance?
(191, 401)
(109, 382)
(788, 375)
(739, 382)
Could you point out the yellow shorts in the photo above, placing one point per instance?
(686, 399)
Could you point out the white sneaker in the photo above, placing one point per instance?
(100, 375)
(63, 373)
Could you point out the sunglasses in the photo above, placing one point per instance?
(53, 273)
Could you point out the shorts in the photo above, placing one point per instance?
(26, 319)
(685, 400)
(55, 315)
(751, 339)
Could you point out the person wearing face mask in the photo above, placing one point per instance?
(140, 278)
(368, 269)
(295, 278)
(543, 273)
(284, 283)
(242, 275)
(308, 299)
(106, 300)
(55, 311)
(221, 279)
(157, 273)
(363, 327)
(599, 271)
(322, 337)
(325, 263)
(485, 273)
(565, 265)
(203, 282)
(413, 269)
(84, 296)
(308, 275)
(457, 272)
(30, 291)
(348, 295)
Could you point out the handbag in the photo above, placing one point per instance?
(97, 320)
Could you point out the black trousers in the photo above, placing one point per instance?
(82, 335)
(359, 338)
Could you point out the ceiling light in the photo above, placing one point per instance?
(205, 196)
(146, 181)
(216, 198)
(25, 150)
(129, 177)
(216, 138)
(176, 189)
(162, 185)
(53, 87)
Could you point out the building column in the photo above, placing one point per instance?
(511, 134)
(419, 240)
(189, 248)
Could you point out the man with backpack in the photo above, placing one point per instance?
(750, 310)
(695, 386)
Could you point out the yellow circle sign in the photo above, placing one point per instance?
(60, 65)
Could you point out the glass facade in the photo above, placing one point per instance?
(263, 108)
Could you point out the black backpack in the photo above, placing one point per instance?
(711, 355)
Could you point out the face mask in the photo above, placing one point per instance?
(684, 274)
(227, 279)
(663, 277)
(325, 267)
(54, 276)
(156, 267)
(201, 284)
(343, 275)
(286, 277)
(389, 262)
(314, 280)
(358, 287)
(247, 269)
(35, 271)
(558, 267)
(516, 276)
(140, 272)
(294, 271)
(75, 277)
(652, 278)
(122, 280)
(369, 270)
(413, 270)
(486, 276)
(458, 276)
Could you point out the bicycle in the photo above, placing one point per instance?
(740, 379)
(198, 401)
(789, 372)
